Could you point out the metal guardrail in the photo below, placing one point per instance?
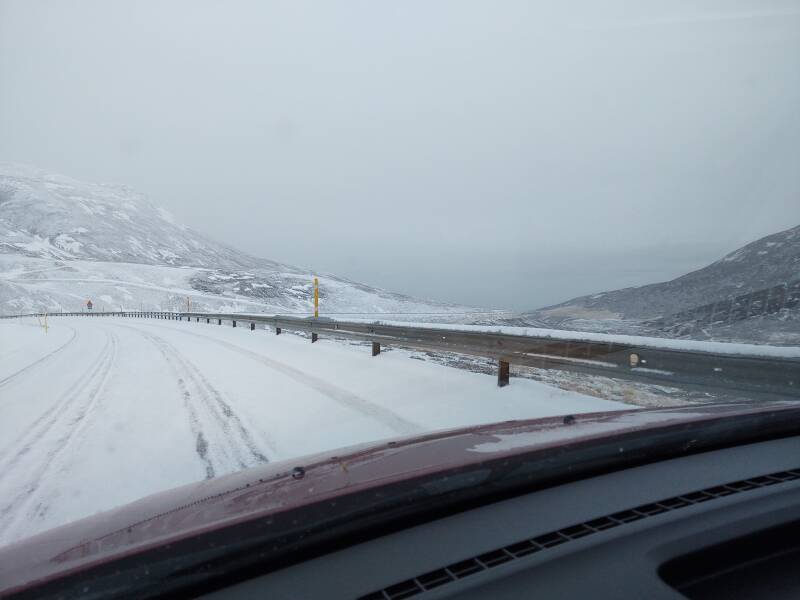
(657, 365)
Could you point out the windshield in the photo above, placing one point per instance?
(235, 234)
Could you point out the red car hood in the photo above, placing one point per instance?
(274, 488)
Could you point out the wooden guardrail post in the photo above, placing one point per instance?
(376, 348)
(234, 323)
(252, 326)
(219, 321)
(208, 320)
(277, 331)
(503, 373)
(314, 337)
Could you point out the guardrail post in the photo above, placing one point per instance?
(503, 373)
(208, 320)
(277, 331)
(234, 323)
(219, 321)
(376, 348)
(314, 337)
(252, 326)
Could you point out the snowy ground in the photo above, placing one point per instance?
(29, 285)
(99, 412)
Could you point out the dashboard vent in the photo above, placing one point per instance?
(489, 560)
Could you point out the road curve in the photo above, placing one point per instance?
(100, 412)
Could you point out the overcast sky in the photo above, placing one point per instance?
(504, 154)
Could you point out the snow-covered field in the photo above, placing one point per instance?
(98, 412)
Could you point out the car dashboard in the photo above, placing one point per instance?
(724, 523)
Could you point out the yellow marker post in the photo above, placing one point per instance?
(316, 297)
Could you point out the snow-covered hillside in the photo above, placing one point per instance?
(45, 215)
(751, 294)
(63, 241)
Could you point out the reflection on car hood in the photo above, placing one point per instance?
(279, 487)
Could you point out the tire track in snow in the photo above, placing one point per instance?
(339, 395)
(44, 423)
(227, 445)
(56, 432)
(39, 361)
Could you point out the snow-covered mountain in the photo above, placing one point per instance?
(64, 241)
(51, 216)
(751, 294)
